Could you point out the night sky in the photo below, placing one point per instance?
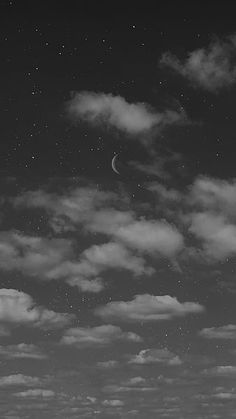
(117, 289)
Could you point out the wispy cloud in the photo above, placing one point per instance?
(22, 351)
(212, 68)
(19, 379)
(36, 393)
(113, 403)
(221, 371)
(221, 332)
(153, 356)
(114, 111)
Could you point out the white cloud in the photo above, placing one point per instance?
(21, 350)
(108, 220)
(115, 111)
(30, 254)
(18, 308)
(96, 336)
(91, 209)
(75, 207)
(54, 259)
(147, 308)
(211, 68)
(114, 255)
(36, 393)
(214, 194)
(95, 260)
(221, 370)
(19, 379)
(113, 403)
(225, 396)
(221, 332)
(216, 233)
(153, 356)
(152, 237)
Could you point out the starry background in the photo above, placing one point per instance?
(49, 52)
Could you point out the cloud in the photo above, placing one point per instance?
(224, 396)
(144, 308)
(67, 210)
(95, 260)
(18, 308)
(211, 68)
(30, 254)
(4, 331)
(80, 208)
(214, 194)
(221, 332)
(152, 237)
(222, 371)
(134, 384)
(213, 219)
(108, 364)
(109, 220)
(97, 336)
(113, 403)
(114, 111)
(164, 194)
(114, 388)
(36, 393)
(159, 165)
(153, 356)
(218, 236)
(135, 380)
(19, 379)
(40, 257)
(54, 259)
(22, 350)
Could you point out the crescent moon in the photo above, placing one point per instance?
(113, 164)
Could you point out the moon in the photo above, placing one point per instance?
(113, 164)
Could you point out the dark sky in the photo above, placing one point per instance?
(117, 289)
